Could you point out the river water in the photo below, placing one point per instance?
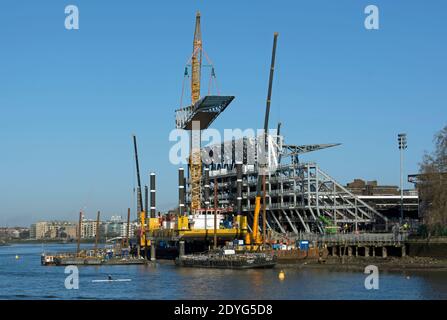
(25, 278)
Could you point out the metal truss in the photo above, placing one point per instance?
(300, 197)
(205, 111)
(303, 198)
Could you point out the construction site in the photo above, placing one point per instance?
(254, 193)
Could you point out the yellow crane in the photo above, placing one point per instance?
(196, 62)
(255, 238)
(195, 161)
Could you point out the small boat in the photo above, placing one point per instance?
(228, 259)
(125, 261)
(67, 259)
(113, 280)
(47, 259)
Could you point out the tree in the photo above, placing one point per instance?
(433, 186)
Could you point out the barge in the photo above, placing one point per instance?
(66, 260)
(228, 259)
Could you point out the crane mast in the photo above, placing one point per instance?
(198, 115)
(195, 165)
(255, 237)
(140, 208)
(196, 62)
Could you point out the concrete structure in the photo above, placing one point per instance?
(88, 229)
(32, 231)
(365, 245)
(368, 188)
(115, 227)
(68, 231)
(14, 233)
(53, 230)
(387, 199)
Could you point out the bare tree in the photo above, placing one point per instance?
(433, 186)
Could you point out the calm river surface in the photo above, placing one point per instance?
(25, 278)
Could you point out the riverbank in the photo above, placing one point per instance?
(359, 264)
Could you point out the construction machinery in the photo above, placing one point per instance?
(195, 162)
(141, 210)
(202, 222)
(198, 116)
(196, 222)
(254, 238)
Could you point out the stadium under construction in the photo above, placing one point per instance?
(251, 190)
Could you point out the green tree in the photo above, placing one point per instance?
(433, 186)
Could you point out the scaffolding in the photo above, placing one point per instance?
(300, 197)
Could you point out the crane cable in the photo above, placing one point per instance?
(185, 75)
(210, 83)
(212, 74)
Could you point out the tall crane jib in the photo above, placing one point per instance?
(255, 237)
(195, 165)
(196, 62)
(199, 115)
(140, 208)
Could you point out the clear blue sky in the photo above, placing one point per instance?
(70, 100)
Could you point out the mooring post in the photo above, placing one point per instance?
(78, 248)
(384, 252)
(181, 191)
(404, 251)
(153, 250)
(152, 190)
(181, 249)
(366, 251)
(334, 251)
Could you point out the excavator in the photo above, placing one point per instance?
(254, 239)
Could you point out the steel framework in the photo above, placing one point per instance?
(301, 197)
(299, 194)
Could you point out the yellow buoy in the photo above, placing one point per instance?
(281, 275)
(17, 257)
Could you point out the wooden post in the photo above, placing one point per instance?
(128, 227)
(78, 249)
(153, 250)
(215, 212)
(97, 234)
(146, 195)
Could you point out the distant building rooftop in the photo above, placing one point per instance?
(370, 188)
